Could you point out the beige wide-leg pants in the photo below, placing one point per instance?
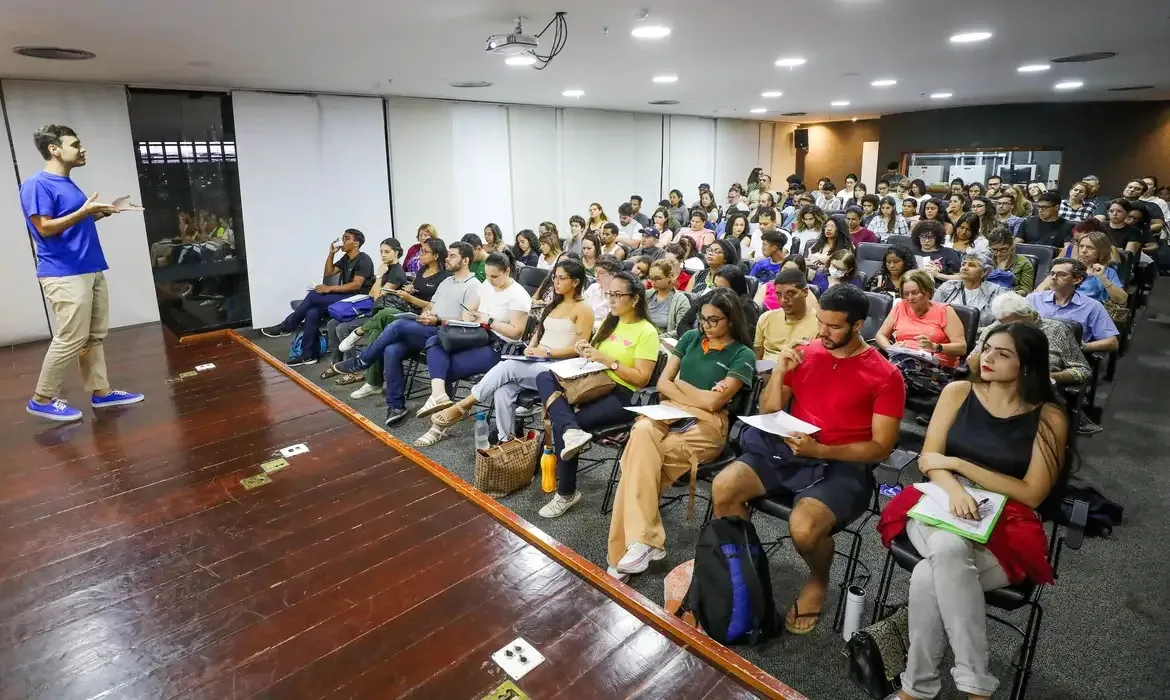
(81, 306)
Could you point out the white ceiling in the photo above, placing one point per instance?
(723, 53)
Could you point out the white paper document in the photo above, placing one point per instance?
(662, 412)
(935, 509)
(462, 324)
(780, 423)
(356, 297)
(912, 352)
(575, 367)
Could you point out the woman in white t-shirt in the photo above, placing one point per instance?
(502, 307)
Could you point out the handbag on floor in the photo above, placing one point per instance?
(459, 338)
(877, 654)
(508, 466)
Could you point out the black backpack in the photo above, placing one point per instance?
(731, 588)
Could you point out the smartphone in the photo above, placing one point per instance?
(681, 426)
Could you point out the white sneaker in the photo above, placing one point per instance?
(525, 411)
(365, 390)
(350, 341)
(559, 504)
(434, 404)
(574, 439)
(638, 558)
(617, 574)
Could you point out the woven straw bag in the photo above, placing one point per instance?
(507, 467)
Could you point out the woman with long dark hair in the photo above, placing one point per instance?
(590, 251)
(966, 236)
(887, 221)
(738, 230)
(707, 368)
(493, 239)
(527, 248)
(550, 250)
(918, 189)
(665, 224)
(721, 252)
(1008, 433)
(627, 344)
(834, 237)
(678, 208)
(897, 261)
(566, 320)
(934, 209)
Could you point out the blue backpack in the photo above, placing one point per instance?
(296, 350)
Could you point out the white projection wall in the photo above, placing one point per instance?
(99, 115)
(24, 317)
(482, 175)
(535, 153)
(690, 155)
(737, 151)
(310, 167)
(608, 156)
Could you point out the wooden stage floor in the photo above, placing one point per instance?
(133, 564)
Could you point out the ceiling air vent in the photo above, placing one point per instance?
(663, 102)
(471, 84)
(793, 114)
(53, 53)
(1131, 88)
(1085, 57)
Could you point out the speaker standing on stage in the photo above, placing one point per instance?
(62, 221)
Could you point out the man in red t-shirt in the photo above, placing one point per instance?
(856, 397)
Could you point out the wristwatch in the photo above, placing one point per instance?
(613, 366)
(938, 348)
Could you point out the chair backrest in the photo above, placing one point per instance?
(869, 258)
(753, 286)
(1041, 257)
(807, 247)
(970, 318)
(880, 306)
(1074, 326)
(900, 240)
(531, 278)
(1036, 278)
(530, 326)
(1125, 266)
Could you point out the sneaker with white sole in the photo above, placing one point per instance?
(275, 332)
(638, 558)
(350, 341)
(575, 439)
(559, 504)
(303, 362)
(351, 366)
(365, 390)
(115, 398)
(617, 574)
(525, 411)
(55, 410)
(434, 404)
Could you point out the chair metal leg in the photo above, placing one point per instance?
(1027, 652)
(611, 486)
(883, 591)
(847, 578)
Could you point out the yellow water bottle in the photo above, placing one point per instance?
(548, 471)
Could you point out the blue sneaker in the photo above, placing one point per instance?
(56, 410)
(351, 366)
(115, 398)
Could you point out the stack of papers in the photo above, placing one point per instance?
(355, 298)
(934, 508)
(463, 324)
(780, 423)
(575, 367)
(660, 412)
(912, 352)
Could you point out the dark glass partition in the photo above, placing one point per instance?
(186, 155)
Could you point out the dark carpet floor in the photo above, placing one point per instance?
(1103, 633)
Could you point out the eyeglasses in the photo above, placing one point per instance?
(561, 278)
(711, 321)
(618, 295)
(1059, 275)
(658, 278)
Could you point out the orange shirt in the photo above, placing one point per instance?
(932, 324)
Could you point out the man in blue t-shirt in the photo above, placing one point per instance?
(71, 266)
(767, 267)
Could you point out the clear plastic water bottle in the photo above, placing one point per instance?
(481, 431)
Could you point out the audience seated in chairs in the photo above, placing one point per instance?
(793, 323)
(411, 263)
(1101, 282)
(772, 257)
(391, 277)
(665, 304)
(478, 256)
(1012, 270)
(729, 277)
(527, 248)
(707, 368)
(926, 240)
(721, 252)
(1062, 300)
(834, 237)
(1008, 434)
(611, 242)
(357, 277)
(739, 232)
(897, 261)
(627, 344)
(842, 269)
(405, 336)
(550, 247)
(887, 220)
(919, 322)
(857, 232)
(966, 236)
(501, 307)
(972, 288)
(766, 292)
(565, 321)
(412, 298)
(842, 385)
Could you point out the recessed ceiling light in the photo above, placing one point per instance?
(771, 93)
(1085, 57)
(524, 59)
(663, 79)
(471, 84)
(970, 37)
(884, 82)
(790, 62)
(839, 103)
(940, 95)
(1033, 68)
(650, 31)
(663, 102)
(759, 110)
(1068, 85)
(53, 53)
(573, 93)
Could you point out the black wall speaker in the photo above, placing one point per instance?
(800, 139)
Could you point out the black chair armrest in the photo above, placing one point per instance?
(888, 472)
(644, 397)
(1076, 525)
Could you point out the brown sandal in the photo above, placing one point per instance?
(330, 372)
(449, 416)
(350, 379)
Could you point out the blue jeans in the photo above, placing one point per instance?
(309, 313)
(453, 367)
(604, 411)
(394, 345)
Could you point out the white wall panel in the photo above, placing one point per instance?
(310, 167)
(99, 115)
(481, 187)
(648, 161)
(737, 151)
(600, 150)
(764, 155)
(24, 317)
(535, 163)
(691, 160)
(421, 173)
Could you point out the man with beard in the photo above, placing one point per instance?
(856, 397)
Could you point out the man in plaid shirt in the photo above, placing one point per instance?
(1075, 208)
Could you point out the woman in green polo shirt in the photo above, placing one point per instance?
(707, 368)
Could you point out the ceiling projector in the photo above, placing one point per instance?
(512, 44)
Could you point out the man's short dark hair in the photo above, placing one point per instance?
(852, 175)
(794, 277)
(467, 252)
(854, 209)
(892, 165)
(872, 199)
(776, 238)
(577, 219)
(394, 245)
(1050, 197)
(1078, 267)
(699, 213)
(847, 299)
(50, 135)
(608, 263)
(473, 240)
(357, 236)
(611, 226)
(766, 211)
(793, 179)
(636, 198)
(625, 209)
(994, 177)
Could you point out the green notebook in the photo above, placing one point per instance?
(934, 509)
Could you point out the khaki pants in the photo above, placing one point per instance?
(654, 458)
(81, 306)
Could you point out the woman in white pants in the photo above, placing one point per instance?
(566, 320)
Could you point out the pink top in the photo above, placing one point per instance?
(771, 301)
(696, 236)
(932, 324)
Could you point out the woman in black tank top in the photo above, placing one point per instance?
(1006, 434)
